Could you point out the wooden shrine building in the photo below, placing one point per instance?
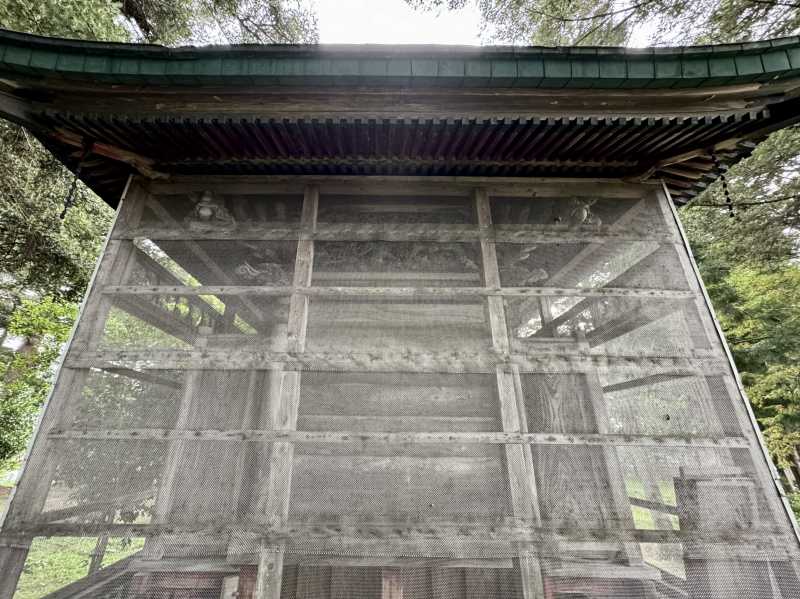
(400, 323)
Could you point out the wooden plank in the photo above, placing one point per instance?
(13, 553)
(647, 381)
(283, 412)
(654, 506)
(155, 316)
(176, 451)
(450, 437)
(521, 479)
(561, 359)
(432, 232)
(771, 540)
(523, 187)
(491, 275)
(392, 583)
(396, 292)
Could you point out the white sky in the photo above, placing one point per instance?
(394, 22)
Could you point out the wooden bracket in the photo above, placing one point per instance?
(142, 164)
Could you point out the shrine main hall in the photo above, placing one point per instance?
(412, 322)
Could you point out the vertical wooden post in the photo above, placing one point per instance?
(521, 476)
(392, 584)
(154, 547)
(283, 414)
(13, 553)
(98, 554)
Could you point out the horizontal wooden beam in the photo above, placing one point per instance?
(524, 187)
(452, 535)
(444, 233)
(567, 360)
(369, 292)
(293, 559)
(360, 438)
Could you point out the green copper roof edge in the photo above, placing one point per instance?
(453, 66)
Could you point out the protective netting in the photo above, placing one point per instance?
(365, 391)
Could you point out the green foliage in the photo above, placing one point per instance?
(81, 19)
(256, 21)
(58, 561)
(26, 375)
(175, 22)
(608, 23)
(794, 501)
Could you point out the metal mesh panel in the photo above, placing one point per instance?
(202, 262)
(396, 264)
(359, 391)
(364, 324)
(393, 209)
(398, 402)
(638, 216)
(201, 211)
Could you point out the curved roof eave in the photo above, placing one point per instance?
(402, 65)
(675, 114)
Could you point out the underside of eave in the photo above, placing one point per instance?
(686, 153)
(682, 136)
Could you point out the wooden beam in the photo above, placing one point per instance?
(646, 381)
(630, 321)
(379, 438)
(155, 316)
(524, 187)
(433, 232)
(202, 256)
(654, 506)
(521, 477)
(142, 164)
(768, 538)
(566, 359)
(176, 450)
(283, 415)
(396, 292)
(392, 583)
(13, 553)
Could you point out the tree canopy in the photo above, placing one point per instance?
(586, 22)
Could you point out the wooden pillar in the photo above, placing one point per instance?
(392, 583)
(13, 553)
(283, 414)
(521, 475)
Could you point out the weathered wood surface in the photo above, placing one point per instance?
(401, 438)
(564, 360)
(388, 447)
(774, 541)
(519, 234)
(283, 414)
(389, 292)
(525, 187)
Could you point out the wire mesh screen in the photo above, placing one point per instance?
(357, 390)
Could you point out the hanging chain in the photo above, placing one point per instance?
(70, 199)
(724, 181)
